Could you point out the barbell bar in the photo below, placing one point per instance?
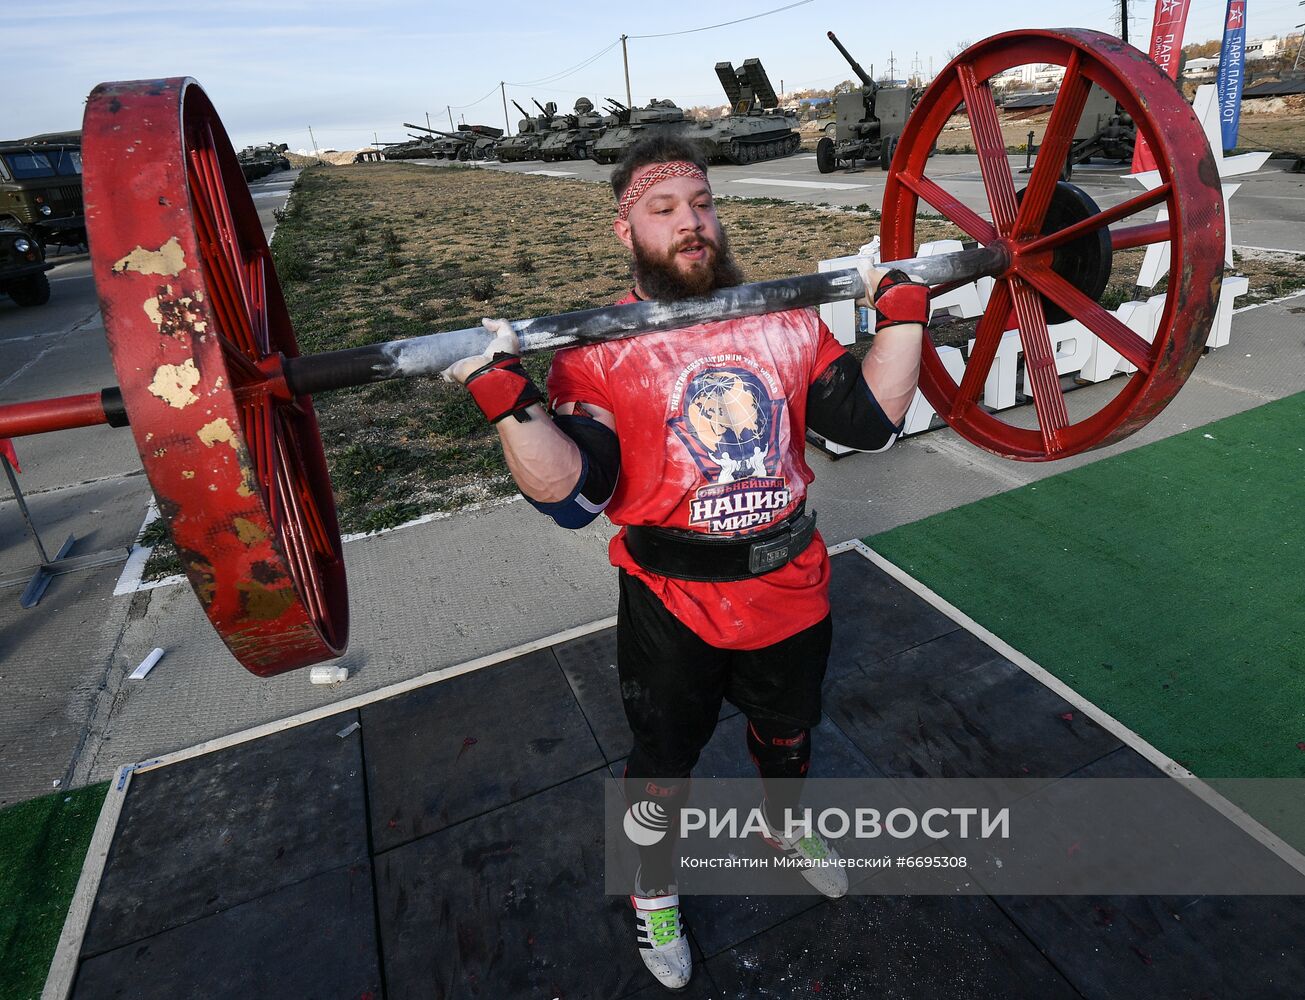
(219, 398)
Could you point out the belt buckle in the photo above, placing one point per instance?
(765, 556)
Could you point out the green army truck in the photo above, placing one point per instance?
(22, 268)
(41, 188)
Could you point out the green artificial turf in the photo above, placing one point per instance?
(42, 846)
(1166, 585)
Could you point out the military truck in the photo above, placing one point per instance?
(753, 130)
(632, 124)
(867, 121)
(22, 268)
(41, 188)
(570, 137)
(531, 130)
(471, 142)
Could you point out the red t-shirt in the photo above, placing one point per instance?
(712, 425)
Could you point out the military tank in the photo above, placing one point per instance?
(471, 142)
(419, 147)
(753, 130)
(259, 161)
(571, 136)
(632, 124)
(531, 132)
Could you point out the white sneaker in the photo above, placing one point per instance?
(819, 862)
(662, 944)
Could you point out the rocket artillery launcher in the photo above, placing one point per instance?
(867, 121)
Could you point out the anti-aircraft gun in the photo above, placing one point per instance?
(471, 142)
(571, 136)
(753, 130)
(658, 117)
(867, 121)
(531, 132)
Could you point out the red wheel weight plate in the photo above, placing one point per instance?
(1188, 189)
(196, 325)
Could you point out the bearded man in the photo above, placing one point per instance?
(692, 440)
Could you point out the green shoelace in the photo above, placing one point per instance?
(664, 925)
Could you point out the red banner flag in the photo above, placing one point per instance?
(1166, 50)
(7, 450)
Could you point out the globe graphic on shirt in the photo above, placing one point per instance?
(725, 410)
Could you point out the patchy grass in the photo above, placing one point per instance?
(379, 252)
(43, 844)
(382, 251)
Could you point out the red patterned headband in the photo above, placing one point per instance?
(655, 174)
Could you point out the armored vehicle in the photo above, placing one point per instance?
(419, 147)
(23, 267)
(571, 136)
(753, 130)
(632, 124)
(531, 130)
(867, 121)
(471, 142)
(259, 161)
(41, 188)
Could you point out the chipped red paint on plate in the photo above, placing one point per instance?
(197, 326)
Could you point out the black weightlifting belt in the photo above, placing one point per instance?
(689, 555)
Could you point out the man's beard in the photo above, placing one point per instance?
(660, 277)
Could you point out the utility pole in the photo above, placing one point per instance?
(428, 119)
(376, 142)
(625, 57)
(1123, 21)
(892, 66)
(1296, 64)
(450, 111)
(314, 140)
(502, 89)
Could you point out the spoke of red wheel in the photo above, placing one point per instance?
(987, 338)
(1040, 364)
(258, 302)
(231, 313)
(951, 208)
(312, 515)
(222, 210)
(1054, 149)
(310, 580)
(1145, 200)
(1105, 325)
(998, 183)
(240, 365)
(1140, 236)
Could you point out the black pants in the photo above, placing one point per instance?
(673, 684)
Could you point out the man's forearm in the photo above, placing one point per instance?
(544, 462)
(892, 368)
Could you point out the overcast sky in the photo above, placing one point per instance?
(348, 69)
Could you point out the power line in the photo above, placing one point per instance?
(461, 107)
(723, 24)
(563, 74)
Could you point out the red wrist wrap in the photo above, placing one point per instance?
(502, 388)
(900, 300)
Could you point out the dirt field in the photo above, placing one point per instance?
(374, 252)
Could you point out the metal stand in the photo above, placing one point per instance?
(49, 568)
